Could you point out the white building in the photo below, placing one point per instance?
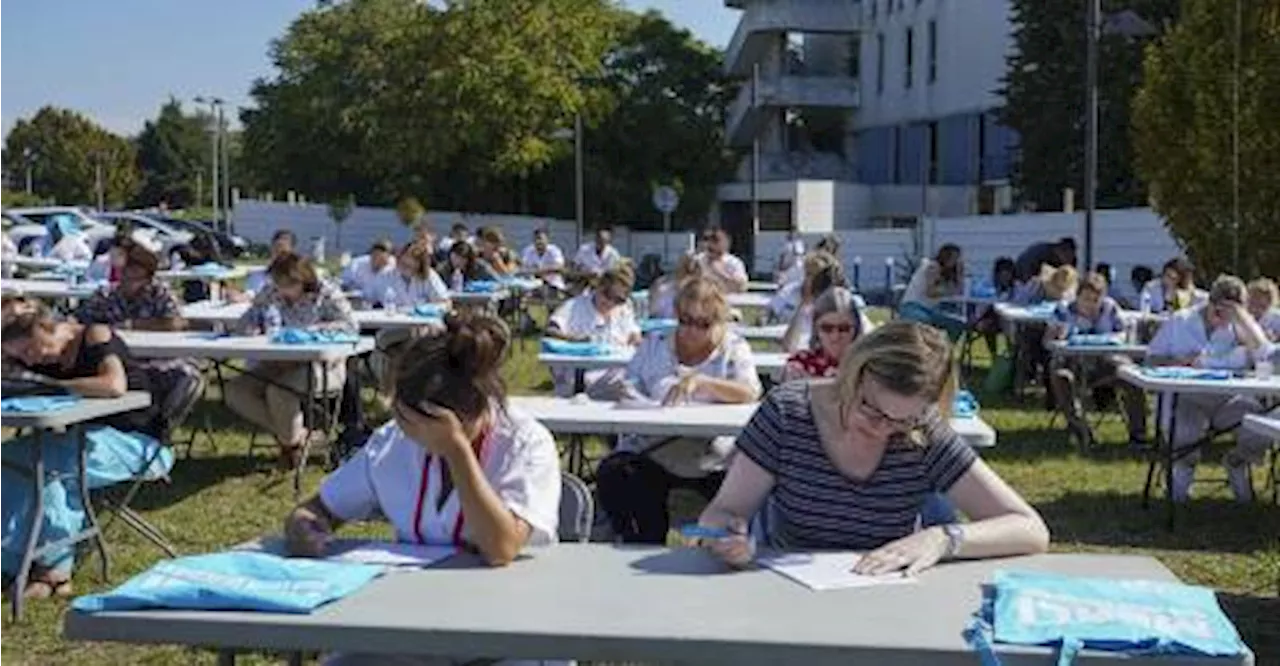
(852, 101)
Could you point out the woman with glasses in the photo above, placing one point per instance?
(701, 361)
(836, 324)
(848, 464)
(602, 315)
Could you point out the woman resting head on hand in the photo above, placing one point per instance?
(856, 458)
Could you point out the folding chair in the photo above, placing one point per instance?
(577, 509)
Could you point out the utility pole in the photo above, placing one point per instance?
(215, 116)
(580, 202)
(226, 170)
(1092, 20)
(97, 181)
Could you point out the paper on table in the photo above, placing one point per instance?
(827, 570)
(392, 554)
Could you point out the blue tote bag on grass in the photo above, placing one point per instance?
(236, 580)
(1136, 617)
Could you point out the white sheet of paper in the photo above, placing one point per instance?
(393, 554)
(827, 570)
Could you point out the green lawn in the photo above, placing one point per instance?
(1091, 502)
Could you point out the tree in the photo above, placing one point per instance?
(1044, 92)
(409, 210)
(68, 148)
(339, 210)
(172, 149)
(1184, 139)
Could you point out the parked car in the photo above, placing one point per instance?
(167, 234)
(27, 236)
(230, 245)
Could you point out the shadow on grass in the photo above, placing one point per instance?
(1114, 519)
(1258, 619)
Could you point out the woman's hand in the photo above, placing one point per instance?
(735, 550)
(683, 390)
(306, 534)
(914, 553)
(437, 429)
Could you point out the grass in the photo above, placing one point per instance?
(220, 496)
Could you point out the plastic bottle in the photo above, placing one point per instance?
(389, 300)
(272, 321)
(1145, 301)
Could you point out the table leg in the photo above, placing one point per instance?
(34, 526)
(82, 443)
(1172, 455)
(309, 404)
(226, 657)
(1159, 443)
(579, 381)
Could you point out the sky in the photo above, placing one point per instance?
(117, 61)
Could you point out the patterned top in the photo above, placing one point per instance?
(110, 306)
(815, 506)
(1106, 321)
(813, 363)
(327, 306)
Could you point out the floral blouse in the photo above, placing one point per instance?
(109, 305)
(326, 306)
(812, 364)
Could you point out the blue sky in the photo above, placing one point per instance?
(118, 60)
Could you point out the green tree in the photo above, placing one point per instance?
(68, 148)
(172, 149)
(409, 210)
(1044, 100)
(340, 210)
(1183, 132)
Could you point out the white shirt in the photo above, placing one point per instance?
(412, 291)
(1184, 334)
(72, 247)
(1154, 291)
(727, 270)
(391, 473)
(552, 258)
(579, 316)
(370, 282)
(662, 298)
(792, 254)
(588, 261)
(1270, 323)
(7, 247)
(786, 300)
(918, 288)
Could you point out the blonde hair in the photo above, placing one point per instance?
(686, 267)
(706, 293)
(817, 262)
(1265, 287)
(1094, 282)
(905, 357)
(1058, 282)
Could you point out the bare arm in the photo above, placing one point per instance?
(1001, 522)
(308, 527)
(727, 391)
(494, 529)
(791, 339)
(741, 494)
(158, 324)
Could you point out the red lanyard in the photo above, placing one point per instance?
(477, 445)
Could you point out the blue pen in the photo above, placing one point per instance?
(696, 531)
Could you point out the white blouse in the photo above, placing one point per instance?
(579, 316)
(551, 259)
(394, 476)
(412, 291)
(588, 261)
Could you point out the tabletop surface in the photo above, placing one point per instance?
(766, 361)
(47, 287)
(607, 602)
(151, 344)
(749, 300)
(86, 409)
(1266, 425)
(228, 313)
(1236, 385)
(1123, 349)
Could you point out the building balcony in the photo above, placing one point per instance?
(764, 21)
(799, 165)
(745, 120)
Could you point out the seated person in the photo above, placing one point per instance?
(106, 267)
(662, 293)
(373, 275)
(1219, 333)
(454, 467)
(1092, 313)
(595, 258)
(1052, 254)
(296, 298)
(493, 249)
(1052, 285)
(1003, 281)
(837, 322)
(936, 279)
(64, 240)
(1176, 288)
(416, 281)
(718, 265)
(1264, 305)
(849, 463)
(790, 267)
(602, 314)
(1129, 294)
(91, 361)
(544, 260)
(464, 266)
(794, 296)
(828, 275)
(702, 361)
(141, 301)
(201, 251)
(283, 242)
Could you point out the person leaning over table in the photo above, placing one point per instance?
(454, 467)
(465, 265)
(1176, 288)
(283, 242)
(662, 293)
(602, 314)
(89, 360)
(702, 361)
(823, 273)
(543, 259)
(373, 274)
(1264, 305)
(139, 302)
(719, 265)
(1220, 334)
(1093, 313)
(300, 299)
(494, 250)
(847, 464)
(837, 322)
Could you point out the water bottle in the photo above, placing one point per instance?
(389, 300)
(1145, 303)
(456, 281)
(272, 321)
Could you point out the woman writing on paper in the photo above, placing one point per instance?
(602, 315)
(455, 467)
(418, 282)
(837, 322)
(295, 298)
(847, 464)
(702, 361)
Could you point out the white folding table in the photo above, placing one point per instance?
(368, 320)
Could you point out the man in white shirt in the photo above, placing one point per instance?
(718, 265)
(595, 258)
(543, 260)
(1218, 334)
(373, 274)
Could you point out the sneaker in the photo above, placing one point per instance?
(1183, 476)
(1240, 482)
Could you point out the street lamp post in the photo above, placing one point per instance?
(579, 186)
(29, 160)
(215, 114)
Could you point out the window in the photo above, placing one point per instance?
(895, 156)
(932, 155)
(879, 63)
(875, 7)
(910, 56)
(888, 8)
(933, 51)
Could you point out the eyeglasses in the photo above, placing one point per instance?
(616, 299)
(880, 419)
(843, 329)
(703, 323)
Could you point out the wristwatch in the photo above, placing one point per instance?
(955, 536)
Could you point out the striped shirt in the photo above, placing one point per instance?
(816, 507)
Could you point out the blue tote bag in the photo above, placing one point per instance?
(1136, 617)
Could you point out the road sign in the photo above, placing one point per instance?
(665, 199)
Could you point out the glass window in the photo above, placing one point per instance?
(933, 51)
(880, 63)
(910, 56)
